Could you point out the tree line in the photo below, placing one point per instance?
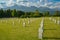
(21, 14)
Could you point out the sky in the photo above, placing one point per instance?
(37, 3)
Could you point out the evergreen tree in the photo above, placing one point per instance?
(36, 13)
(14, 13)
(1, 13)
(47, 13)
(57, 13)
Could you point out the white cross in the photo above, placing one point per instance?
(13, 23)
(19, 21)
(58, 22)
(24, 24)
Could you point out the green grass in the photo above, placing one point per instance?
(8, 31)
(51, 30)
(17, 31)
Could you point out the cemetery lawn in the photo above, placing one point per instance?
(8, 31)
(16, 31)
(51, 30)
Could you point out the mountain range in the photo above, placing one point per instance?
(32, 8)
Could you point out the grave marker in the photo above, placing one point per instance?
(55, 21)
(13, 23)
(6, 21)
(24, 24)
(19, 21)
(1, 21)
(29, 21)
(58, 22)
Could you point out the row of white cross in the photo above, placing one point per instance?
(24, 21)
(40, 31)
(13, 22)
(29, 21)
(54, 20)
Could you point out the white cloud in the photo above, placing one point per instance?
(28, 4)
(41, 0)
(56, 5)
(40, 3)
(20, 0)
(10, 3)
(1, 6)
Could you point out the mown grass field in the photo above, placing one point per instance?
(51, 30)
(16, 31)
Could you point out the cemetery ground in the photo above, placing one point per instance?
(27, 28)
